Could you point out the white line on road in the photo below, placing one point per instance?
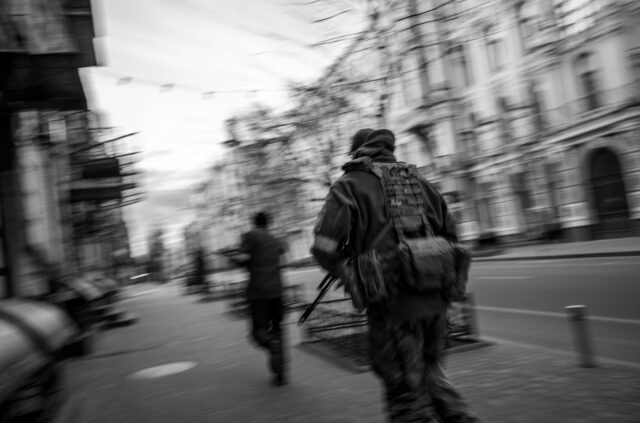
(611, 261)
(307, 270)
(502, 277)
(553, 314)
(140, 293)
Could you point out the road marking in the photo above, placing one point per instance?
(502, 277)
(163, 370)
(132, 295)
(314, 269)
(593, 261)
(554, 314)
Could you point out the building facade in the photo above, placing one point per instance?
(60, 187)
(525, 114)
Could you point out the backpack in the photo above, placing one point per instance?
(428, 263)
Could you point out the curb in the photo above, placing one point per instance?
(322, 351)
(474, 345)
(560, 256)
(570, 355)
(330, 356)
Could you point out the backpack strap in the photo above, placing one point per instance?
(382, 232)
(403, 197)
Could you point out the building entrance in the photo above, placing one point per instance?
(609, 195)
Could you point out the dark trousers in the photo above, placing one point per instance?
(266, 330)
(407, 356)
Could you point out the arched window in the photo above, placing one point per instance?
(528, 13)
(586, 73)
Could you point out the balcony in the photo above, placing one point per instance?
(522, 123)
(103, 172)
(439, 94)
(546, 37)
(589, 109)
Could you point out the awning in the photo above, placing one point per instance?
(101, 168)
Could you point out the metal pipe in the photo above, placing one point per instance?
(577, 315)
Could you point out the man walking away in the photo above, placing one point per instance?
(407, 322)
(260, 252)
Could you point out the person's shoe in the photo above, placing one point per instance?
(276, 359)
(279, 380)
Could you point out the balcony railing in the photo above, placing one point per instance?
(486, 139)
(587, 108)
(541, 39)
(439, 94)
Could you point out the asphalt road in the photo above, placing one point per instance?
(524, 302)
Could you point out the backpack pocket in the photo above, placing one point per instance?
(428, 264)
(370, 276)
(363, 279)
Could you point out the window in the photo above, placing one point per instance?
(496, 61)
(412, 89)
(495, 49)
(537, 107)
(586, 72)
(576, 16)
(468, 134)
(634, 57)
(527, 12)
(503, 120)
(461, 75)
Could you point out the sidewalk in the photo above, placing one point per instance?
(618, 247)
(229, 381)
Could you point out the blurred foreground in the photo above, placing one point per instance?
(188, 357)
(504, 382)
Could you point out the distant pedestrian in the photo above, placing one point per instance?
(201, 281)
(260, 252)
(373, 213)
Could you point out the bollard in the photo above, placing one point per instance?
(470, 309)
(578, 321)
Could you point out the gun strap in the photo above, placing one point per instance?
(324, 285)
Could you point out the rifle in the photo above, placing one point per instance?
(324, 286)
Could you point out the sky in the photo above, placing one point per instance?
(174, 70)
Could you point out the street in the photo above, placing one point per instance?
(188, 360)
(163, 163)
(524, 302)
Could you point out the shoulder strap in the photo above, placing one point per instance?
(382, 232)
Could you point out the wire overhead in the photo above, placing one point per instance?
(163, 86)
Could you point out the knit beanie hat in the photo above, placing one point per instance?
(382, 135)
(359, 138)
